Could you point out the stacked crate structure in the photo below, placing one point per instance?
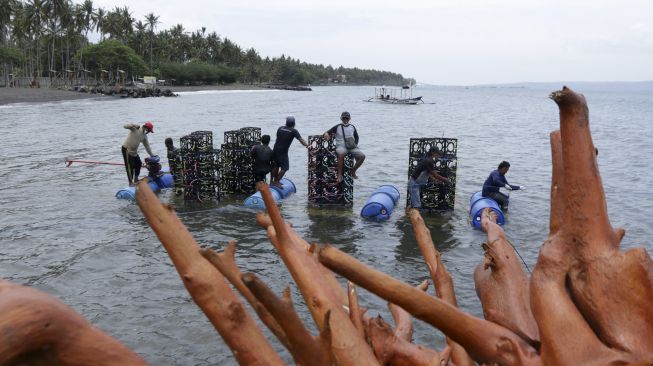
(323, 188)
(200, 169)
(237, 166)
(435, 196)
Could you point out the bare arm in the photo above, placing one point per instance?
(332, 131)
(146, 144)
(437, 176)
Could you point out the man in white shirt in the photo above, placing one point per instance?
(346, 142)
(137, 135)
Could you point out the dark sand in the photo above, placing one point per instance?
(45, 95)
(40, 95)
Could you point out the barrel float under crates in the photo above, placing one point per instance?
(256, 200)
(381, 203)
(476, 206)
(156, 185)
(287, 189)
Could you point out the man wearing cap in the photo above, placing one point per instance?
(137, 135)
(285, 136)
(346, 143)
(424, 170)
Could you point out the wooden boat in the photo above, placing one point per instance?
(403, 95)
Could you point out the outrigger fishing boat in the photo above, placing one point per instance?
(403, 95)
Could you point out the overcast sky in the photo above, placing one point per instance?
(452, 42)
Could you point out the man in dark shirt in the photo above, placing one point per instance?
(497, 180)
(285, 136)
(424, 170)
(174, 162)
(173, 152)
(262, 155)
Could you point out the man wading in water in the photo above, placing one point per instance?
(497, 180)
(137, 134)
(424, 171)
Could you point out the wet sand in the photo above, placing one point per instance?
(46, 95)
(40, 95)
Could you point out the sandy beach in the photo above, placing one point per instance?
(45, 95)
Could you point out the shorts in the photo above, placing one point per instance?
(414, 189)
(341, 150)
(281, 161)
(259, 175)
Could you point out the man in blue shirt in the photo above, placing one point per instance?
(497, 180)
(285, 136)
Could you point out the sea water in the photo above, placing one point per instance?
(63, 231)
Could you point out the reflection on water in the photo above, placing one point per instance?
(333, 225)
(441, 234)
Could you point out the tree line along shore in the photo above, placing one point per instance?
(50, 39)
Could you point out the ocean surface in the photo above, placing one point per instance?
(63, 231)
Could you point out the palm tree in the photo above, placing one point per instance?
(231, 52)
(87, 21)
(98, 20)
(6, 9)
(178, 43)
(35, 13)
(57, 13)
(127, 22)
(6, 12)
(151, 20)
(87, 16)
(213, 45)
(118, 24)
(139, 38)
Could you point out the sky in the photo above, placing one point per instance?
(444, 42)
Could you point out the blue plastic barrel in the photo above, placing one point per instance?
(478, 203)
(390, 190)
(381, 203)
(256, 200)
(128, 193)
(164, 181)
(288, 187)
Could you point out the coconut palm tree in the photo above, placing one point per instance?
(35, 15)
(118, 24)
(138, 38)
(178, 43)
(213, 45)
(151, 20)
(86, 21)
(98, 19)
(231, 52)
(6, 13)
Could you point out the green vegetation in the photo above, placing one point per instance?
(37, 36)
(112, 55)
(10, 55)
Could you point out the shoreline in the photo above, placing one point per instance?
(46, 95)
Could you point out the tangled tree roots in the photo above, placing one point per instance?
(586, 303)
